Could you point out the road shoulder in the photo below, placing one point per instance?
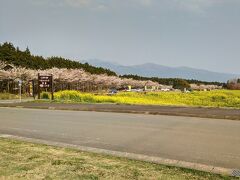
(202, 112)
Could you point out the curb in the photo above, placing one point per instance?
(152, 159)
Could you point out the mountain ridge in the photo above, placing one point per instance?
(156, 70)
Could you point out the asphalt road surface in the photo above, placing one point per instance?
(206, 141)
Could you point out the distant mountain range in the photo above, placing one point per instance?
(156, 70)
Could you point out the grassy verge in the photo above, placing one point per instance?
(5, 96)
(21, 160)
(8, 96)
(217, 98)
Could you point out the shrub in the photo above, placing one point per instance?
(5, 96)
(45, 95)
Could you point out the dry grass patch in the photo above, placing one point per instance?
(21, 160)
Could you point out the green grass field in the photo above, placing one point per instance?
(9, 96)
(21, 160)
(217, 98)
(6, 96)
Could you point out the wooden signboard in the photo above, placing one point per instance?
(45, 82)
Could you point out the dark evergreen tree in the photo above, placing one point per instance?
(12, 55)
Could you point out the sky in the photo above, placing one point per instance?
(195, 33)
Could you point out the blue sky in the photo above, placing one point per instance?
(195, 33)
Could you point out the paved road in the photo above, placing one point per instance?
(207, 141)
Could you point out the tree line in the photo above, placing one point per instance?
(175, 82)
(12, 55)
(233, 84)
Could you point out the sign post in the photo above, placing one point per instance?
(45, 81)
(20, 89)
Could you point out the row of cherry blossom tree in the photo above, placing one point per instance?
(234, 84)
(73, 76)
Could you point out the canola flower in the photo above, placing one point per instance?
(216, 98)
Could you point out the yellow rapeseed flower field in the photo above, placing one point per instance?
(217, 98)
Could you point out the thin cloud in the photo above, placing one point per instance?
(62, 3)
(79, 3)
(145, 2)
(195, 6)
(199, 6)
(104, 3)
